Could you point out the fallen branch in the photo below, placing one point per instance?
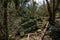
(44, 31)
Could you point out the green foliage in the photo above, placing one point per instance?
(11, 6)
(26, 15)
(21, 33)
(11, 37)
(25, 18)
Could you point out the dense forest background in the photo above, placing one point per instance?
(21, 17)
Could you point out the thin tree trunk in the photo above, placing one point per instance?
(5, 20)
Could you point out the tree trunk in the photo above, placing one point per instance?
(52, 7)
(5, 20)
(52, 18)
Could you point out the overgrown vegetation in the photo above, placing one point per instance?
(21, 17)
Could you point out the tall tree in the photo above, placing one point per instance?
(52, 7)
